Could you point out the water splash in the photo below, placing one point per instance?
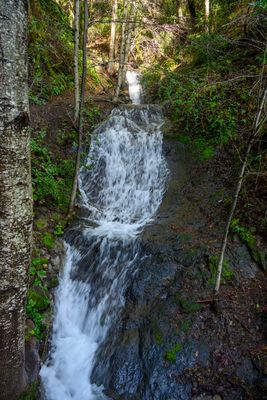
(121, 186)
(135, 89)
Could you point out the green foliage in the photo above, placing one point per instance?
(50, 50)
(66, 137)
(37, 317)
(205, 105)
(157, 334)
(37, 296)
(187, 306)
(48, 240)
(92, 114)
(39, 301)
(31, 393)
(244, 233)
(41, 223)
(37, 271)
(208, 113)
(51, 180)
(227, 272)
(209, 50)
(171, 355)
(261, 3)
(59, 231)
(185, 324)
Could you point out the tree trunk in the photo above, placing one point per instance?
(76, 58)
(15, 196)
(192, 11)
(122, 50)
(81, 105)
(113, 37)
(207, 16)
(180, 13)
(126, 40)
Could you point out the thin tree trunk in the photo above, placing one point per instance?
(81, 105)
(15, 196)
(76, 57)
(126, 42)
(113, 37)
(207, 16)
(122, 51)
(256, 130)
(192, 11)
(180, 13)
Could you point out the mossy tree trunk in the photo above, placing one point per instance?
(15, 195)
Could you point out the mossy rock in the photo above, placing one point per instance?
(53, 282)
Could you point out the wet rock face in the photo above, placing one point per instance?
(165, 346)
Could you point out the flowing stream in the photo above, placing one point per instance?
(121, 188)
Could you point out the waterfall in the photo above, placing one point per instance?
(121, 187)
(135, 89)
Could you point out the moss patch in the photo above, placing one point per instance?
(170, 355)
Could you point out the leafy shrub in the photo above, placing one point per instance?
(244, 233)
(48, 240)
(51, 180)
(37, 300)
(208, 113)
(50, 50)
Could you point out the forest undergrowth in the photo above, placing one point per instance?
(210, 90)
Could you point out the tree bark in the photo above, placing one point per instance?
(122, 50)
(180, 13)
(76, 58)
(207, 16)
(126, 40)
(15, 196)
(192, 11)
(81, 105)
(113, 37)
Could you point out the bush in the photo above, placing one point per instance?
(51, 180)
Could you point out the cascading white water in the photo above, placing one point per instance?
(121, 188)
(135, 89)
